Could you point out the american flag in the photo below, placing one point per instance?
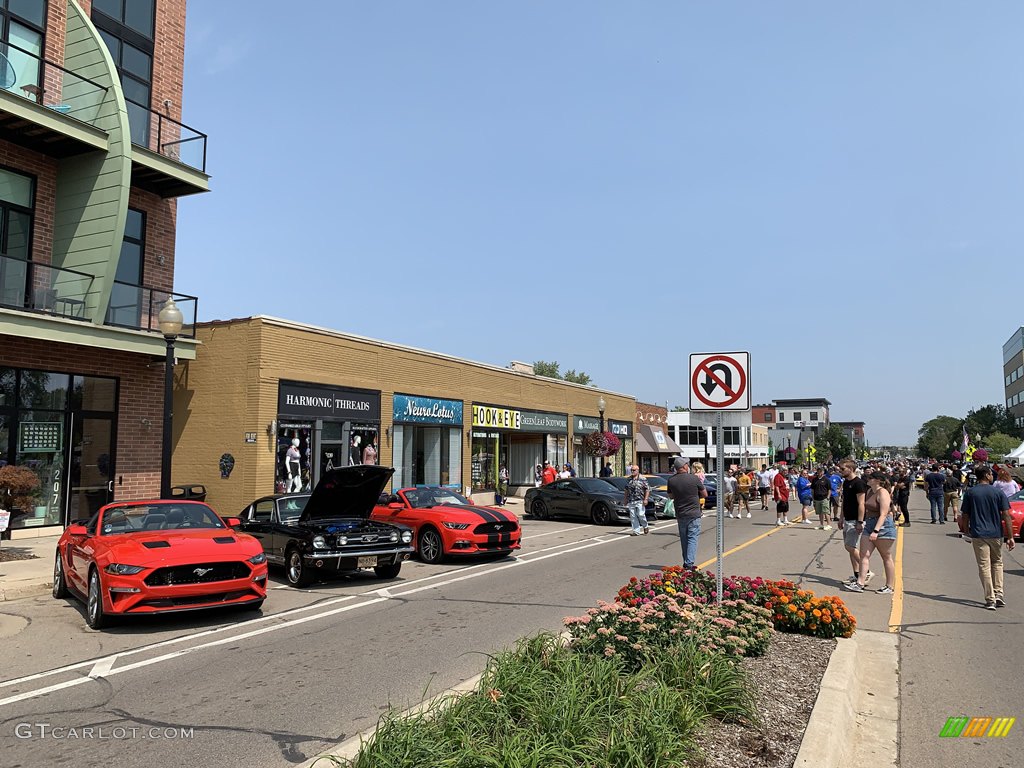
(964, 444)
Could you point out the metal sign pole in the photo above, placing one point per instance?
(720, 523)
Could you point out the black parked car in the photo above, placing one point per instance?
(710, 485)
(592, 498)
(330, 530)
(655, 499)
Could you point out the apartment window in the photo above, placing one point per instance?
(1020, 371)
(814, 415)
(797, 415)
(691, 435)
(732, 435)
(17, 193)
(768, 416)
(22, 24)
(126, 27)
(126, 297)
(782, 416)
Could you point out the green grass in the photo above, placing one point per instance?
(543, 705)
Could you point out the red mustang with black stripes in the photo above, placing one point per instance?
(447, 523)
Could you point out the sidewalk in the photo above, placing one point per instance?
(31, 577)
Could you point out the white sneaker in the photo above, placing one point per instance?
(809, 522)
(868, 577)
(730, 514)
(748, 515)
(827, 528)
(780, 524)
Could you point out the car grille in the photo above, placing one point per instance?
(486, 529)
(507, 544)
(176, 602)
(198, 573)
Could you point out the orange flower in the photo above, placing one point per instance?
(826, 619)
(801, 614)
(817, 613)
(783, 599)
(792, 608)
(812, 627)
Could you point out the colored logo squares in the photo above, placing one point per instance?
(977, 727)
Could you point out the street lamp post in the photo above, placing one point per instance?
(600, 412)
(170, 321)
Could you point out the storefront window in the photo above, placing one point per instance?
(484, 461)
(426, 455)
(292, 474)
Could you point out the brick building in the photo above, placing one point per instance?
(92, 158)
(287, 400)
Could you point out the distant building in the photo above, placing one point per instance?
(745, 444)
(807, 413)
(855, 431)
(1013, 376)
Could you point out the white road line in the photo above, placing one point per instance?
(103, 667)
(551, 533)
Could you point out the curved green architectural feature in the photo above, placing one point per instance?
(91, 203)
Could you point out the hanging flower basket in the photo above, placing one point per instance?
(981, 455)
(956, 455)
(601, 444)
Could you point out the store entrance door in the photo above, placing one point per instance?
(91, 462)
(331, 456)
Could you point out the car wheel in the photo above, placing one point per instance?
(60, 586)
(431, 546)
(388, 571)
(295, 569)
(601, 514)
(94, 615)
(539, 510)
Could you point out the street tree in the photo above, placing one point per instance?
(1000, 444)
(936, 436)
(989, 419)
(550, 369)
(833, 441)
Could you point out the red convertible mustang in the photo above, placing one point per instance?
(135, 557)
(447, 523)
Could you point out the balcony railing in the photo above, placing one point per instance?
(137, 306)
(29, 285)
(166, 136)
(50, 85)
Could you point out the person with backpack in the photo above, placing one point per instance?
(821, 489)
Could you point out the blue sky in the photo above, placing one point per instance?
(835, 187)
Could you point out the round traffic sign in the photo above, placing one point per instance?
(725, 381)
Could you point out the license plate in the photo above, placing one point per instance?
(367, 562)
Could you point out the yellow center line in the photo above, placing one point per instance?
(896, 614)
(738, 547)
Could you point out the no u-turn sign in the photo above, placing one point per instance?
(720, 381)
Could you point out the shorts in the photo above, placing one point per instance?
(745, 495)
(888, 530)
(782, 507)
(833, 502)
(805, 500)
(763, 491)
(851, 536)
(821, 507)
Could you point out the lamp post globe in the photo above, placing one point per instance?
(170, 321)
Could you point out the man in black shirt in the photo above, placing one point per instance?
(854, 490)
(901, 493)
(933, 483)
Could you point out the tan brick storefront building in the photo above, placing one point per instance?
(286, 401)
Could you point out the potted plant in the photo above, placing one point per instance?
(18, 486)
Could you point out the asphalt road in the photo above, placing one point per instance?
(320, 665)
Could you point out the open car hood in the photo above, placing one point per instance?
(346, 492)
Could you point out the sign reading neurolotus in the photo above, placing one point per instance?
(426, 410)
(324, 402)
(498, 418)
(539, 421)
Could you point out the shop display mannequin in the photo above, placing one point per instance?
(293, 467)
(370, 453)
(355, 455)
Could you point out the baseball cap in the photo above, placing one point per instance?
(679, 462)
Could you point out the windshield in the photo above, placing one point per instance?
(595, 485)
(159, 517)
(421, 498)
(290, 509)
(657, 482)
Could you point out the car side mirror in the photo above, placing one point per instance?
(232, 522)
(76, 529)
(396, 505)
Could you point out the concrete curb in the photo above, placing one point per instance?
(856, 715)
(19, 591)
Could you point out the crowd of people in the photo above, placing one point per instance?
(868, 500)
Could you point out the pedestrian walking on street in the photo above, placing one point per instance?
(606, 470)
(780, 492)
(821, 489)
(903, 485)
(934, 483)
(879, 532)
(985, 516)
(951, 491)
(729, 495)
(549, 474)
(854, 490)
(764, 485)
(743, 486)
(636, 493)
(835, 479)
(687, 491)
(804, 496)
(1005, 483)
(503, 478)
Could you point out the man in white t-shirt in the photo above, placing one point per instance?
(764, 485)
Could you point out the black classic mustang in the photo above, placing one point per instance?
(330, 530)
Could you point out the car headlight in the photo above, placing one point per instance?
(394, 536)
(319, 542)
(342, 541)
(406, 537)
(259, 559)
(456, 526)
(119, 569)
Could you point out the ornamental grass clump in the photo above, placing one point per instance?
(632, 632)
(545, 705)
